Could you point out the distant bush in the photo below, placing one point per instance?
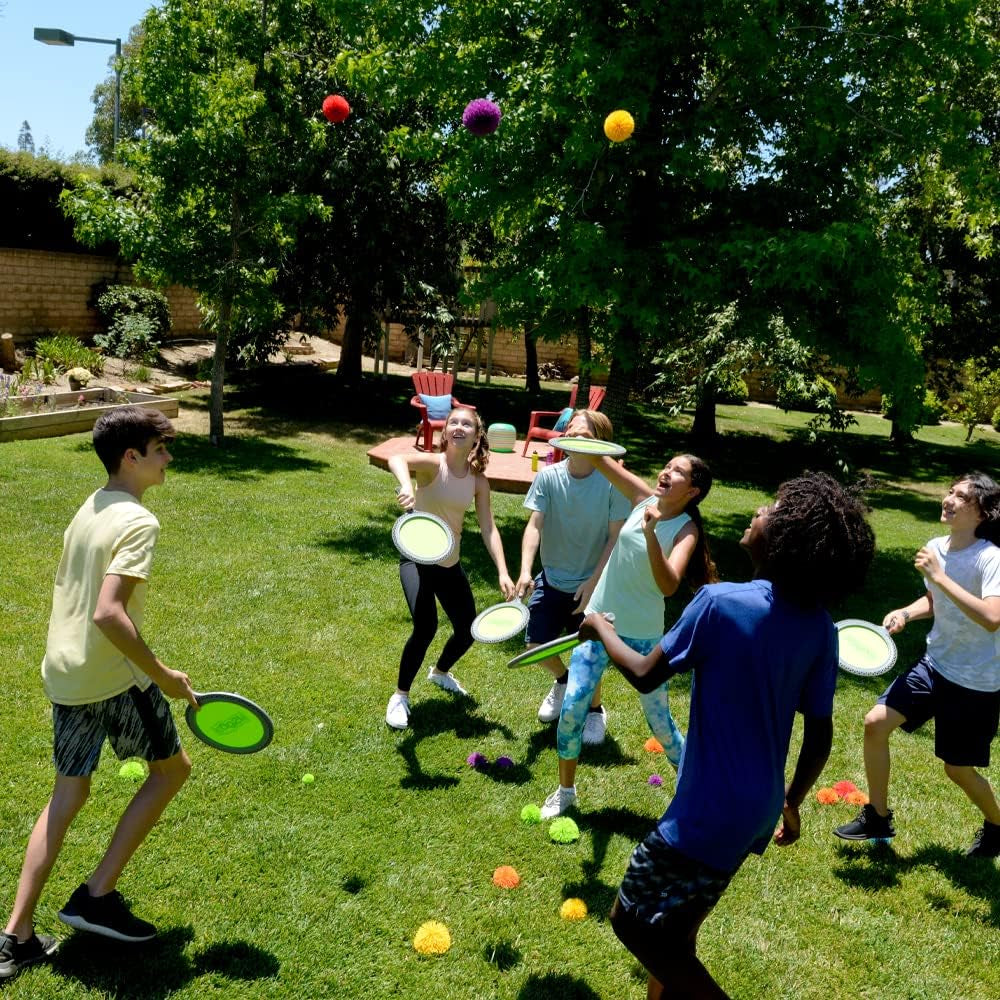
(810, 394)
(730, 388)
(137, 320)
(933, 410)
(66, 351)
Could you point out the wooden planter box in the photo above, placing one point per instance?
(50, 414)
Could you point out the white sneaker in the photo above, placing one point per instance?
(596, 726)
(446, 682)
(560, 801)
(397, 712)
(551, 705)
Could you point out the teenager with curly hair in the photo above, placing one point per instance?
(758, 652)
(447, 483)
(957, 681)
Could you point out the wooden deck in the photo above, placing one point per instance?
(507, 472)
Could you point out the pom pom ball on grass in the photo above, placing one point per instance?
(564, 830)
(336, 108)
(573, 909)
(132, 770)
(432, 938)
(506, 877)
(481, 117)
(531, 814)
(619, 126)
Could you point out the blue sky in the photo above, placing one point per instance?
(49, 86)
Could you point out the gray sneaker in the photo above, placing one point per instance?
(559, 802)
(446, 682)
(397, 712)
(596, 726)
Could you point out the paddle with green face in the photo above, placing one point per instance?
(554, 647)
(230, 722)
(865, 649)
(500, 622)
(588, 446)
(422, 537)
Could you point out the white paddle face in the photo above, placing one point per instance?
(865, 649)
(422, 537)
(500, 622)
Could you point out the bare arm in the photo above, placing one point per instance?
(984, 611)
(491, 537)
(586, 588)
(111, 617)
(817, 738)
(668, 571)
(622, 479)
(529, 549)
(419, 463)
(644, 673)
(922, 607)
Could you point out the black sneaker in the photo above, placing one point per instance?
(108, 915)
(868, 826)
(987, 842)
(17, 955)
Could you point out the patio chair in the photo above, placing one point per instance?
(432, 384)
(538, 433)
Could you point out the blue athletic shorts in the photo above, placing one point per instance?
(136, 724)
(551, 612)
(662, 886)
(965, 721)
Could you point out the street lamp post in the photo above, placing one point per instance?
(56, 36)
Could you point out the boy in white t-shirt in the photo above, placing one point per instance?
(104, 682)
(957, 681)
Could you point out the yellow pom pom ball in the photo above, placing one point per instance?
(619, 125)
(573, 909)
(432, 938)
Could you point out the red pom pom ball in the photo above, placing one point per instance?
(336, 108)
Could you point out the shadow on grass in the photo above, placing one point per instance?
(502, 954)
(556, 986)
(159, 968)
(878, 866)
(427, 719)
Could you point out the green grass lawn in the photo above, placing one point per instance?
(276, 577)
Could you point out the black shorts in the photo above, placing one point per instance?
(965, 721)
(136, 724)
(666, 888)
(551, 613)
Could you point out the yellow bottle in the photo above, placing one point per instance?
(534, 461)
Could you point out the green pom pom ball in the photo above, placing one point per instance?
(308, 779)
(564, 830)
(132, 770)
(531, 814)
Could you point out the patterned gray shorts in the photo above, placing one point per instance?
(661, 884)
(136, 724)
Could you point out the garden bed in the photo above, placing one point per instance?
(51, 414)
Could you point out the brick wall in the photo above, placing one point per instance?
(43, 292)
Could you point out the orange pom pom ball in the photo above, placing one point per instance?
(827, 797)
(653, 745)
(506, 877)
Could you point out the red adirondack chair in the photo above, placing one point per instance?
(432, 384)
(539, 433)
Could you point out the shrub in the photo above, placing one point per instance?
(996, 419)
(137, 318)
(66, 351)
(932, 409)
(730, 388)
(979, 399)
(811, 394)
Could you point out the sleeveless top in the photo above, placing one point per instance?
(448, 496)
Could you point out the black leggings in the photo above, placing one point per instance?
(421, 585)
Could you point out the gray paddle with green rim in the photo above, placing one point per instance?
(554, 647)
(422, 537)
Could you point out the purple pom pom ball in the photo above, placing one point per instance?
(481, 117)
(504, 762)
(655, 780)
(476, 760)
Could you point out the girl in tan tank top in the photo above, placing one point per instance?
(447, 482)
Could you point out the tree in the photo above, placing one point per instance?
(25, 140)
(132, 115)
(767, 150)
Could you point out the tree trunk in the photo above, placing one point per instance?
(619, 389)
(704, 430)
(531, 380)
(349, 366)
(583, 358)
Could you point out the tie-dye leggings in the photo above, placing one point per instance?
(586, 667)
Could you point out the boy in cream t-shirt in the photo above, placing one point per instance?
(104, 682)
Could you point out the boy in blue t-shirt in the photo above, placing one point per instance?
(758, 652)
